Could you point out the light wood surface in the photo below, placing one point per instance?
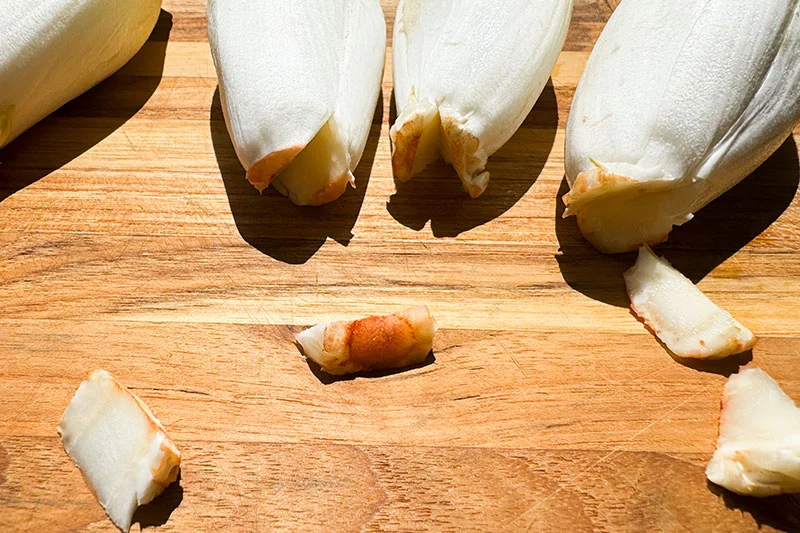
(130, 241)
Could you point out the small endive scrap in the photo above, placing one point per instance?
(758, 452)
(686, 321)
(121, 449)
(299, 82)
(386, 342)
(466, 74)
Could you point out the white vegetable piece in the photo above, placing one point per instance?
(466, 74)
(54, 50)
(374, 343)
(758, 452)
(685, 320)
(299, 81)
(121, 449)
(679, 102)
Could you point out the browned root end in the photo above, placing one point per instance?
(264, 172)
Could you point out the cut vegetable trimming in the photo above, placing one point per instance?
(121, 449)
(758, 452)
(681, 316)
(374, 343)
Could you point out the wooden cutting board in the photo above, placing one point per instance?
(130, 241)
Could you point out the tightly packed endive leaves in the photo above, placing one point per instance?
(679, 102)
(54, 50)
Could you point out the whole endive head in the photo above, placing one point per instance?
(466, 75)
(299, 82)
(679, 101)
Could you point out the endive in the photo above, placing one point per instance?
(374, 343)
(681, 316)
(122, 450)
(679, 102)
(54, 50)
(758, 452)
(466, 74)
(299, 81)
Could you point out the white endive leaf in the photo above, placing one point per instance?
(758, 452)
(299, 81)
(466, 74)
(121, 449)
(679, 102)
(54, 50)
(686, 321)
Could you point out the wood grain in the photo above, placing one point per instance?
(130, 241)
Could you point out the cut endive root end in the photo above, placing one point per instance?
(315, 174)
(387, 342)
(423, 134)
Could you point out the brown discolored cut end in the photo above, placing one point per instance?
(459, 149)
(593, 184)
(416, 139)
(264, 172)
(374, 343)
(333, 190)
(618, 214)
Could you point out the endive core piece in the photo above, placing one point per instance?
(299, 81)
(374, 343)
(685, 320)
(466, 74)
(679, 102)
(758, 452)
(54, 50)
(120, 448)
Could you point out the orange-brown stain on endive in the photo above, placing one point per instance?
(405, 143)
(382, 342)
(264, 172)
(597, 180)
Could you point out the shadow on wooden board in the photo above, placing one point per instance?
(716, 233)
(157, 512)
(80, 124)
(778, 512)
(270, 222)
(436, 194)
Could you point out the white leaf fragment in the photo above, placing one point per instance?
(758, 452)
(120, 448)
(685, 320)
